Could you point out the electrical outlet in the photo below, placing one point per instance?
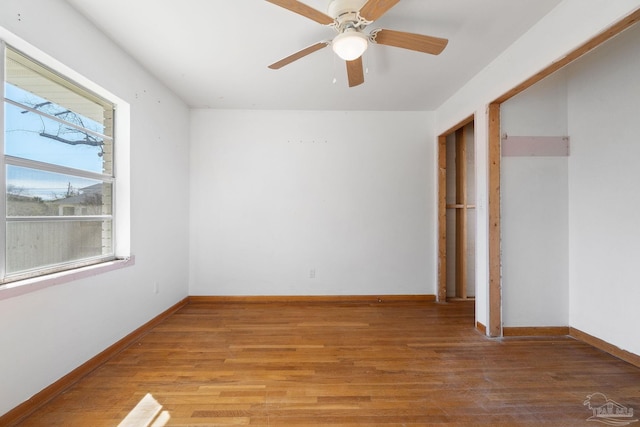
(156, 287)
(312, 273)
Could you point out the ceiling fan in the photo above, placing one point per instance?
(349, 18)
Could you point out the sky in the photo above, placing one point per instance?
(22, 139)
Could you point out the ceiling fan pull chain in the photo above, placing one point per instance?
(333, 69)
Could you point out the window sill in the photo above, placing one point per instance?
(26, 286)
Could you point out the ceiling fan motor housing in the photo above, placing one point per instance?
(345, 11)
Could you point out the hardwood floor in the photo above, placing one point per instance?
(321, 364)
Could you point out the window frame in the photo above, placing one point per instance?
(119, 178)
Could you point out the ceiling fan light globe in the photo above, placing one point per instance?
(350, 45)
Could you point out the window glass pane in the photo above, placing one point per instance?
(41, 244)
(31, 136)
(44, 85)
(58, 167)
(31, 100)
(32, 192)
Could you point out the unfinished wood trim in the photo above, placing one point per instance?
(442, 206)
(461, 124)
(442, 218)
(23, 410)
(535, 331)
(495, 303)
(481, 328)
(613, 350)
(581, 50)
(308, 299)
(461, 214)
(495, 297)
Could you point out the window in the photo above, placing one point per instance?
(58, 172)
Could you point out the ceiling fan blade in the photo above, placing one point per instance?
(417, 42)
(304, 10)
(374, 9)
(355, 72)
(300, 54)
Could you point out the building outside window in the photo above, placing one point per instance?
(58, 172)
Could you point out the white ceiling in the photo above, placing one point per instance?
(215, 53)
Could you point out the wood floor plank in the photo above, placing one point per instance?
(410, 363)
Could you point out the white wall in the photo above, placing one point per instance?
(356, 209)
(50, 332)
(604, 113)
(534, 211)
(276, 194)
(565, 28)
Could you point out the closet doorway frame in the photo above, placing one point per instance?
(494, 327)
